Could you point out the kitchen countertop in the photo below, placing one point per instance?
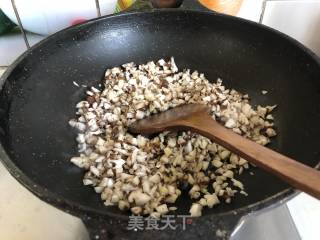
(24, 216)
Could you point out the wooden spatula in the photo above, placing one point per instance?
(195, 117)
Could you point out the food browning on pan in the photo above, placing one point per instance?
(147, 175)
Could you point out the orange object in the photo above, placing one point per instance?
(123, 4)
(230, 7)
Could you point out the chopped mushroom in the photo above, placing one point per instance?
(195, 210)
(212, 200)
(144, 174)
(162, 209)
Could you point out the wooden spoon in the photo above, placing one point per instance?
(195, 117)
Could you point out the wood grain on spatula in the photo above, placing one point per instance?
(195, 117)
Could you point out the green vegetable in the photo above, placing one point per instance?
(5, 23)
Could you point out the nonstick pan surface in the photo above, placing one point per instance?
(38, 96)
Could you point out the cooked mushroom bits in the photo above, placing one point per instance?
(146, 175)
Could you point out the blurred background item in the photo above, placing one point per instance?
(230, 7)
(5, 23)
(123, 4)
(46, 17)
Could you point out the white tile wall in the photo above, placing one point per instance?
(251, 10)
(299, 19)
(12, 45)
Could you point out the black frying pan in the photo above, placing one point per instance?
(38, 98)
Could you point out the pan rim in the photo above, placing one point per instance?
(80, 210)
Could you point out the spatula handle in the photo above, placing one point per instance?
(296, 174)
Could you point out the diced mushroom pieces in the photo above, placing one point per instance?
(145, 173)
(195, 210)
